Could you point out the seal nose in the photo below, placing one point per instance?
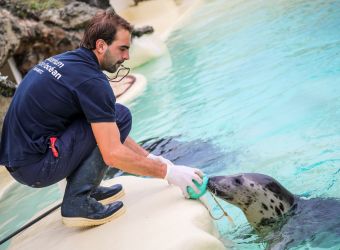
(212, 184)
(218, 185)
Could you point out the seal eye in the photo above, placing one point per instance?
(237, 181)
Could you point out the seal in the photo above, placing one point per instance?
(282, 219)
(263, 200)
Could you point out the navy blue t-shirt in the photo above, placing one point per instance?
(54, 93)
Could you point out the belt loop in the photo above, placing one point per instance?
(52, 146)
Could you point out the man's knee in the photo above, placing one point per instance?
(123, 114)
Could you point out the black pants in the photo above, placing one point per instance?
(74, 146)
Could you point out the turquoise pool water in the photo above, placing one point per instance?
(259, 81)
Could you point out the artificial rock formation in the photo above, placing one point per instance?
(30, 36)
(50, 32)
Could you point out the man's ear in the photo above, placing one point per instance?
(101, 46)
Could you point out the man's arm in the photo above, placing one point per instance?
(131, 144)
(129, 157)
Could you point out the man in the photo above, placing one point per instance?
(63, 122)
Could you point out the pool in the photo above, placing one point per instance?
(256, 82)
(260, 80)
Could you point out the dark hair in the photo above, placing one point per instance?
(103, 25)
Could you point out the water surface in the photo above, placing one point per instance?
(260, 81)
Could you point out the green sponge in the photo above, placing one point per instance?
(202, 188)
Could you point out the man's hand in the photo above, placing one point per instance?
(179, 175)
(183, 176)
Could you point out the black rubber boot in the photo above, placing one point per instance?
(107, 195)
(79, 209)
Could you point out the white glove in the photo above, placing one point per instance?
(160, 158)
(183, 176)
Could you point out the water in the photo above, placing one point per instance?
(258, 82)
(261, 81)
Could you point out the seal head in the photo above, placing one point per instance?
(263, 200)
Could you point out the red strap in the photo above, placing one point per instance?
(52, 146)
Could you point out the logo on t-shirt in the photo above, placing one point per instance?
(52, 69)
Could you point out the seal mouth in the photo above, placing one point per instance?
(211, 186)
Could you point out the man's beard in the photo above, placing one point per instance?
(107, 63)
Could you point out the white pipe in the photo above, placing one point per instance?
(16, 73)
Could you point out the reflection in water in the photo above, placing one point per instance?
(313, 221)
(197, 153)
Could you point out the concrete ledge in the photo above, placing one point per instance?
(157, 217)
(163, 15)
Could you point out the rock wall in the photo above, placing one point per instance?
(31, 35)
(40, 34)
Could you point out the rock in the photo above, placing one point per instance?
(73, 16)
(30, 41)
(19, 9)
(7, 87)
(44, 33)
(102, 4)
(9, 35)
(40, 42)
(138, 32)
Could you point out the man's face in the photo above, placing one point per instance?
(117, 52)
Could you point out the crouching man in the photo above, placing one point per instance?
(63, 122)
